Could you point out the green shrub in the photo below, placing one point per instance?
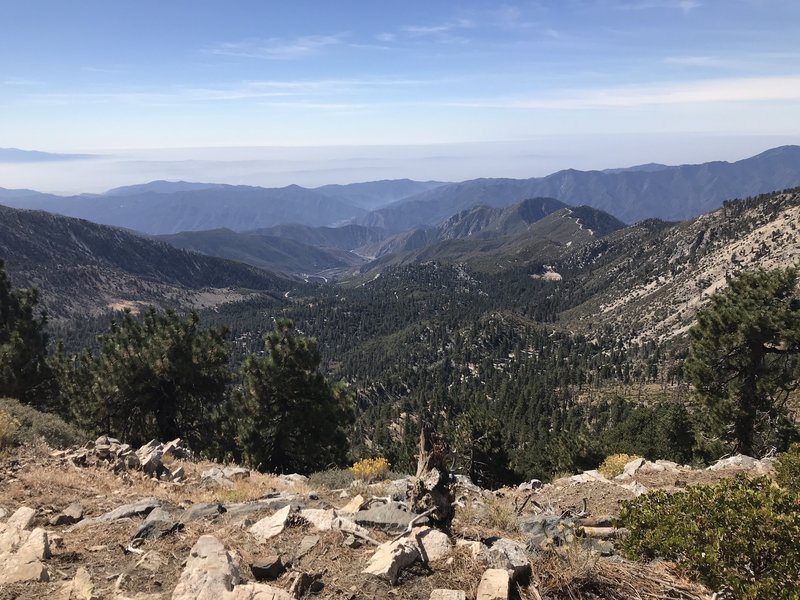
(8, 430)
(33, 425)
(333, 479)
(787, 469)
(740, 537)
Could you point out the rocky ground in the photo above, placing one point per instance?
(109, 521)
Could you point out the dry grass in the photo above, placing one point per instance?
(572, 573)
(614, 464)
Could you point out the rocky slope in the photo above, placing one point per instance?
(108, 521)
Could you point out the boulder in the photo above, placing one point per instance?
(79, 588)
(432, 544)
(157, 524)
(126, 511)
(268, 569)
(528, 486)
(494, 585)
(215, 477)
(637, 488)
(210, 572)
(391, 558)
(503, 553)
(69, 516)
(269, 527)
(13, 533)
(320, 519)
(390, 518)
(26, 563)
(258, 591)
(474, 546)
(235, 473)
(737, 461)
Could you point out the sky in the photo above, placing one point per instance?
(271, 93)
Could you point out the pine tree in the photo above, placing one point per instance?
(157, 377)
(24, 373)
(744, 357)
(290, 418)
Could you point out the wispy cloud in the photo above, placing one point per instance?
(278, 48)
(438, 28)
(21, 82)
(683, 5)
(698, 61)
(750, 89)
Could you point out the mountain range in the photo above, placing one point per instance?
(629, 194)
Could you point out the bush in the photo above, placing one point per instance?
(333, 479)
(740, 537)
(614, 464)
(8, 430)
(33, 425)
(787, 469)
(371, 469)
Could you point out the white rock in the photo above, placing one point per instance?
(637, 488)
(269, 527)
(391, 558)
(79, 588)
(494, 585)
(322, 520)
(448, 595)
(432, 544)
(258, 591)
(210, 573)
(474, 546)
(737, 461)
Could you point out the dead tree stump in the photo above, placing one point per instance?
(433, 490)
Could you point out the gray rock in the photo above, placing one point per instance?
(527, 486)
(79, 588)
(126, 511)
(268, 569)
(432, 544)
(503, 553)
(210, 572)
(739, 461)
(391, 518)
(268, 527)
(235, 473)
(157, 524)
(543, 530)
(214, 477)
(352, 541)
(178, 474)
(306, 545)
(70, 515)
(202, 511)
(244, 509)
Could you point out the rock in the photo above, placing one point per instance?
(202, 511)
(473, 546)
(178, 474)
(391, 558)
(21, 519)
(126, 511)
(740, 461)
(235, 473)
(157, 524)
(527, 486)
(631, 468)
(589, 477)
(544, 530)
(306, 583)
(507, 554)
(26, 563)
(177, 449)
(12, 534)
(637, 488)
(210, 573)
(243, 509)
(465, 482)
(390, 518)
(306, 545)
(70, 515)
(494, 585)
(258, 591)
(79, 588)
(347, 526)
(293, 479)
(352, 541)
(432, 544)
(269, 527)
(149, 457)
(354, 505)
(151, 561)
(214, 477)
(448, 595)
(321, 519)
(268, 569)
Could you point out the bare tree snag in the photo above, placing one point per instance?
(433, 492)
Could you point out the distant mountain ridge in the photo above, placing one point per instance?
(81, 267)
(647, 191)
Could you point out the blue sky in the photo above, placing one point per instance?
(102, 75)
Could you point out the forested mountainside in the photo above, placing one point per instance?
(80, 267)
(514, 351)
(264, 251)
(672, 193)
